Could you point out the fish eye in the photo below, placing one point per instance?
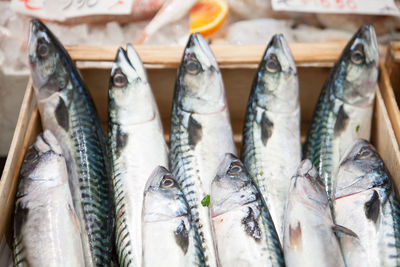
(234, 169)
(43, 50)
(273, 65)
(119, 79)
(61, 82)
(365, 153)
(31, 154)
(193, 67)
(167, 182)
(357, 56)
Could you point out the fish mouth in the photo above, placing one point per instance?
(368, 34)
(196, 39)
(34, 27)
(277, 41)
(122, 56)
(130, 58)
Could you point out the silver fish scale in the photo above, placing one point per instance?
(274, 246)
(392, 229)
(183, 167)
(250, 155)
(123, 243)
(318, 146)
(93, 184)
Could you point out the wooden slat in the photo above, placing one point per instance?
(14, 159)
(383, 138)
(390, 100)
(395, 45)
(170, 56)
(33, 130)
(395, 51)
(226, 55)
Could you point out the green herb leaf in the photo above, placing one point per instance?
(205, 201)
(357, 128)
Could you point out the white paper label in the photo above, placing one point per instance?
(377, 7)
(64, 9)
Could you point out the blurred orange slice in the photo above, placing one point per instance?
(207, 16)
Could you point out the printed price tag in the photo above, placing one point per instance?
(377, 7)
(63, 9)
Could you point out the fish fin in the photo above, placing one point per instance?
(372, 207)
(250, 224)
(267, 127)
(341, 230)
(342, 120)
(195, 132)
(122, 140)
(62, 114)
(21, 216)
(182, 237)
(295, 235)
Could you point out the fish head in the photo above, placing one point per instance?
(199, 87)
(308, 187)
(47, 59)
(131, 100)
(360, 169)
(231, 187)
(40, 165)
(357, 70)
(163, 199)
(276, 84)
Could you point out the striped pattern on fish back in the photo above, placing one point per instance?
(122, 235)
(183, 166)
(318, 146)
(274, 246)
(392, 232)
(92, 160)
(250, 155)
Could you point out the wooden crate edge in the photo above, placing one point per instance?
(15, 157)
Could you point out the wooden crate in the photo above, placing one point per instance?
(238, 65)
(390, 85)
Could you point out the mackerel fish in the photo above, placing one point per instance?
(243, 228)
(137, 147)
(309, 233)
(367, 202)
(344, 109)
(271, 148)
(200, 133)
(46, 228)
(169, 236)
(67, 109)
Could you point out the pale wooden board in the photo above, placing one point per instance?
(395, 51)
(384, 140)
(226, 55)
(170, 56)
(9, 177)
(390, 101)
